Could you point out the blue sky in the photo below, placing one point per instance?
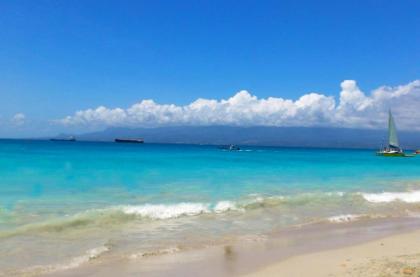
(58, 57)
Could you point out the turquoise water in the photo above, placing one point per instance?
(84, 195)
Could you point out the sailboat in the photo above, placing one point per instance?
(393, 148)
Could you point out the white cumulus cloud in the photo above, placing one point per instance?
(18, 119)
(353, 108)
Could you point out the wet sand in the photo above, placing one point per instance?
(382, 247)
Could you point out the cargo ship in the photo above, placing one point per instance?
(71, 138)
(129, 140)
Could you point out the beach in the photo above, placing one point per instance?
(382, 248)
(397, 255)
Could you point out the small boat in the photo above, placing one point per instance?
(393, 148)
(417, 152)
(71, 138)
(231, 147)
(129, 140)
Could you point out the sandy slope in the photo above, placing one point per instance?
(397, 255)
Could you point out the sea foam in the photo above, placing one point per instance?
(158, 252)
(125, 213)
(75, 262)
(161, 211)
(224, 206)
(345, 218)
(386, 197)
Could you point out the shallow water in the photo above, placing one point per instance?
(71, 202)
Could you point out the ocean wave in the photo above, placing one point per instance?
(75, 262)
(386, 197)
(254, 201)
(116, 216)
(299, 199)
(162, 211)
(225, 206)
(166, 211)
(158, 252)
(343, 218)
(346, 218)
(79, 221)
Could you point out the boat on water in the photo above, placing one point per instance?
(393, 148)
(417, 152)
(129, 140)
(231, 147)
(71, 138)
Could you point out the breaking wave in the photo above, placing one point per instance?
(75, 262)
(386, 197)
(117, 215)
(166, 211)
(346, 218)
(177, 210)
(158, 252)
(343, 218)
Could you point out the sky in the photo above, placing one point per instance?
(78, 66)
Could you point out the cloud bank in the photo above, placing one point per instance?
(353, 109)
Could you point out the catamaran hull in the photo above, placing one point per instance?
(394, 155)
(391, 154)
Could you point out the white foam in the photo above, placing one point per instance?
(343, 218)
(225, 206)
(78, 261)
(169, 250)
(161, 211)
(73, 263)
(335, 193)
(257, 199)
(386, 197)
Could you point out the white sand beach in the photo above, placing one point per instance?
(397, 255)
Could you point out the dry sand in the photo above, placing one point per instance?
(397, 255)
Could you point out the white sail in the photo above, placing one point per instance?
(392, 132)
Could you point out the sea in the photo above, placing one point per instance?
(63, 204)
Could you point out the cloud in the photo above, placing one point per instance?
(18, 119)
(354, 108)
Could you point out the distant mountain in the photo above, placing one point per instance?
(269, 136)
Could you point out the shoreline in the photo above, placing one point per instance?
(322, 248)
(394, 255)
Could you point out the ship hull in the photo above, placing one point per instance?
(393, 154)
(70, 140)
(129, 140)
